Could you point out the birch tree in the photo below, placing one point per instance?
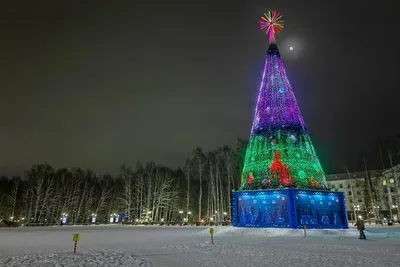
(12, 198)
(187, 176)
(229, 166)
(127, 190)
(199, 160)
(396, 180)
(346, 168)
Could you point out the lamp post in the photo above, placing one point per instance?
(396, 207)
(377, 208)
(181, 216)
(94, 217)
(356, 211)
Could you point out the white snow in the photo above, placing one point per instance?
(190, 246)
(86, 258)
(265, 232)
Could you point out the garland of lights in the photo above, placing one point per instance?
(280, 152)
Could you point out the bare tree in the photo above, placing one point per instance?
(127, 179)
(150, 170)
(390, 201)
(105, 187)
(187, 176)
(12, 198)
(38, 180)
(396, 181)
(346, 168)
(140, 173)
(199, 161)
(229, 161)
(370, 189)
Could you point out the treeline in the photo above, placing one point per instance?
(148, 192)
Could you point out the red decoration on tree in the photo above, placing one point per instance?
(250, 178)
(313, 184)
(278, 167)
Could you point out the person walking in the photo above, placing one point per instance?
(361, 227)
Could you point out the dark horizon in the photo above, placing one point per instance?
(97, 86)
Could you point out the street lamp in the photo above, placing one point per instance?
(225, 213)
(94, 215)
(376, 212)
(396, 207)
(181, 215)
(189, 213)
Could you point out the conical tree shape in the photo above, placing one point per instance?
(280, 152)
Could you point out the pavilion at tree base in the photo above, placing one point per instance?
(289, 208)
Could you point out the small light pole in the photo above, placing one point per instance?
(396, 207)
(212, 235)
(376, 210)
(181, 215)
(76, 237)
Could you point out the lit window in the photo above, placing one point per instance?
(384, 182)
(391, 180)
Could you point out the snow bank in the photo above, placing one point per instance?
(260, 232)
(67, 259)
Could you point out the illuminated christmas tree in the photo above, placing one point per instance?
(280, 152)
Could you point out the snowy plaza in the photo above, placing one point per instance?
(190, 246)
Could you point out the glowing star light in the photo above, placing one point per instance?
(271, 23)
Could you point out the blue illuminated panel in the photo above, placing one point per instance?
(265, 209)
(289, 208)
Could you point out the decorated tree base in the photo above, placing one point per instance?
(289, 208)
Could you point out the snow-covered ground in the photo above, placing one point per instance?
(190, 246)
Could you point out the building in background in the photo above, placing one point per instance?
(369, 195)
(391, 183)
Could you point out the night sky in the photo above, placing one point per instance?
(96, 86)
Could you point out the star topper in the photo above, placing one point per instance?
(271, 23)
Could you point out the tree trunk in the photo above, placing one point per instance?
(200, 189)
(370, 190)
(187, 192)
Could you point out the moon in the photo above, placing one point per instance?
(291, 48)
